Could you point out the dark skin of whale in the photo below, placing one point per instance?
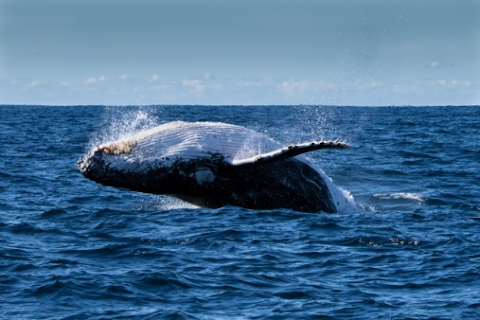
(271, 180)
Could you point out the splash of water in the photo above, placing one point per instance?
(120, 123)
(318, 122)
(163, 203)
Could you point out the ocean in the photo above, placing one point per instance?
(74, 249)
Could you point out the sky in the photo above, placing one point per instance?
(240, 52)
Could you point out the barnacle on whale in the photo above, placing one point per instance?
(118, 147)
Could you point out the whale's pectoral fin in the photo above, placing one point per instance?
(289, 151)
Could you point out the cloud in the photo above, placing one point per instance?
(155, 77)
(457, 83)
(292, 87)
(197, 85)
(124, 77)
(434, 64)
(93, 80)
(454, 83)
(90, 80)
(33, 84)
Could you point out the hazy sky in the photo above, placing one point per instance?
(340, 52)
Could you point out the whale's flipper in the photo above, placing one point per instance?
(288, 152)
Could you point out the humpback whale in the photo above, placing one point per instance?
(213, 164)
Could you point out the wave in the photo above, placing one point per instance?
(394, 201)
(400, 197)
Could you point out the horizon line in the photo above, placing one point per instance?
(229, 105)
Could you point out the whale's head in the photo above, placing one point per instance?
(102, 157)
(116, 164)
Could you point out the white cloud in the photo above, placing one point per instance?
(93, 80)
(442, 82)
(124, 77)
(90, 80)
(434, 64)
(155, 77)
(33, 84)
(457, 83)
(197, 85)
(454, 83)
(290, 87)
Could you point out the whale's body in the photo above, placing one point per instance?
(212, 165)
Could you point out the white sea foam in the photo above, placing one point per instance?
(343, 199)
(165, 203)
(400, 196)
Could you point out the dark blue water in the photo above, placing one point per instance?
(73, 249)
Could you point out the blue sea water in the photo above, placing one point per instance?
(74, 249)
